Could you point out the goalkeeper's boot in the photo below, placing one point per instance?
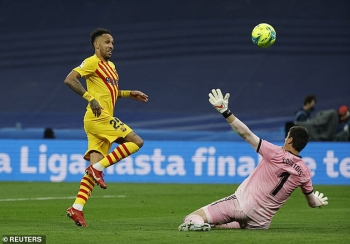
(188, 226)
(77, 216)
(97, 175)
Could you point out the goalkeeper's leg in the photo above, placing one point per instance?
(224, 213)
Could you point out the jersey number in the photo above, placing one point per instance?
(116, 123)
(283, 178)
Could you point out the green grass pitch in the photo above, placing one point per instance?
(151, 213)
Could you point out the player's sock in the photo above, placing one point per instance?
(194, 218)
(78, 206)
(122, 151)
(86, 186)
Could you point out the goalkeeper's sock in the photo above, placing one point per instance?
(194, 218)
(85, 189)
(122, 151)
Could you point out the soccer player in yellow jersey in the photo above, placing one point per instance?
(101, 127)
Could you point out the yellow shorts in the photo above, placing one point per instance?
(102, 132)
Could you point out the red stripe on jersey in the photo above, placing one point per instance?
(111, 73)
(104, 67)
(108, 86)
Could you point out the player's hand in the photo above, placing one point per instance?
(96, 108)
(140, 96)
(219, 102)
(322, 199)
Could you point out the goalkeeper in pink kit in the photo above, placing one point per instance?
(268, 187)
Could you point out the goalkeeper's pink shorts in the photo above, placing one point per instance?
(227, 213)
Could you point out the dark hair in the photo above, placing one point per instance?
(300, 137)
(49, 133)
(96, 33)
(309, 99)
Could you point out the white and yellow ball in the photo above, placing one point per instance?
(263, 35)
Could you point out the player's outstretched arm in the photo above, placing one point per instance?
(136, 95)
(220, 103)
(139, 96)
(316, 199)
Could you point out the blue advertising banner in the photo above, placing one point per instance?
(162, 162)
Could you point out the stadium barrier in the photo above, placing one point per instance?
(162, 162)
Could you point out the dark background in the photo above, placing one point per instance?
(176, 52)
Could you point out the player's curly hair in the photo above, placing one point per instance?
(96, 33)
(300, 137)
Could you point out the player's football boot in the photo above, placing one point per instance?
(97, 175)
(194, 227)
(77, 216)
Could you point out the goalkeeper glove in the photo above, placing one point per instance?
(321, 198)
(219, 102)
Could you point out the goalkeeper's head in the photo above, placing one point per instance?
(300, 137)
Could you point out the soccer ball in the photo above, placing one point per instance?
(263, 35)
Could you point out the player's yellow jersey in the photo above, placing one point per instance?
(102, 83)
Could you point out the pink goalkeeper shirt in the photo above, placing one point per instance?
(268, 187)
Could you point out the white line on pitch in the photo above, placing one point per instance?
(54, 198)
